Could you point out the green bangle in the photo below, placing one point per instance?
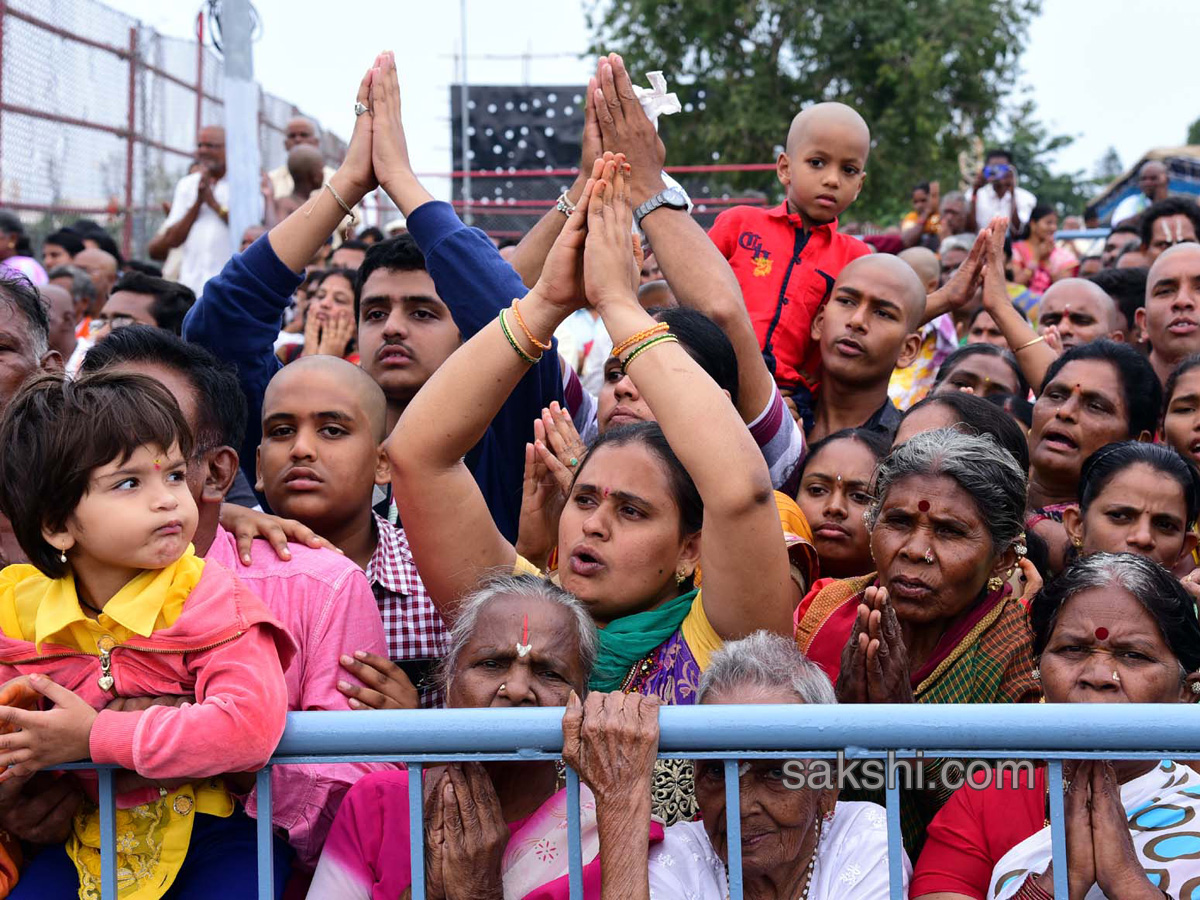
(661, 339)
(512, 340)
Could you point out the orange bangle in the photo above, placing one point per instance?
(525, 328)
(660, 328)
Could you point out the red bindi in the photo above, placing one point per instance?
(923, 506)
(1101, 633)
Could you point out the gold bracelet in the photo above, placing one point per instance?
(660, 328)
(1037, 340)
(513, 341)
(525, 328)
(661, 339)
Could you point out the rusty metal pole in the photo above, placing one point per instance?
(130, 139)
(199, 73)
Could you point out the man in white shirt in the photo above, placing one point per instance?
(996, 193)
(1152, 179)
(199, 218)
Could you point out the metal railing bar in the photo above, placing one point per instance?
(733, 827)
(895, 839)
(416, 828)
(574, 848)
(789, 753)
(108, 834)
(1058, 829)
(266, 843)
(1069, 730)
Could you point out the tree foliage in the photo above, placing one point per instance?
(1108, 167)
(1193, 133)
(927, 75)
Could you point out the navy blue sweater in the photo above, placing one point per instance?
(241, 311)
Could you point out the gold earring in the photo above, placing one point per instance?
(1078, 542)
(995, 583)
(680, 577)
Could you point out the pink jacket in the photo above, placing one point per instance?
(325, 602)
(225, 648)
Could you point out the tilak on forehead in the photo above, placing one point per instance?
(1165, 222)
(523, 645)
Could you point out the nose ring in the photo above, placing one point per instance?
(929, 555)
(1117, 677)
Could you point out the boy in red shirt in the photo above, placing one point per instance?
(786, 259)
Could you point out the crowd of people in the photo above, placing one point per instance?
(621, 464)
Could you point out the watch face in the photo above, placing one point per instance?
(675, 197)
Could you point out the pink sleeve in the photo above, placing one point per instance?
(234, 727)
(307, 797)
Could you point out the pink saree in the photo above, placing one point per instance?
(366, 856)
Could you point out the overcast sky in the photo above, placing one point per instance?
(1101, 71)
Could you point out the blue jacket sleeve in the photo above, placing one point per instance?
(237, 318)
(475, 284)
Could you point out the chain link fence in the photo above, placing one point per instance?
(99, 114)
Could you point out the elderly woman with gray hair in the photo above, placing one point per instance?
(798, 841)
(492, 829)
(937, 621)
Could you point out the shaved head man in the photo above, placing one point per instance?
(1171, 316)
(101, 267)
(926, 264)
(1082, 311)
(301, 132)
(870, 326)
(323, 425)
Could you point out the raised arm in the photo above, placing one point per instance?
(698, 274)
(475, 283)
(1033, 354)
(451, 532)
(961, 286)
(741, 539)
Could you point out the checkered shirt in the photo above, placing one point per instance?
(413, 626)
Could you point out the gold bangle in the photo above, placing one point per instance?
(660, 328)
(1037, 340)
(513, 341)
(525, 328)
(661, 339)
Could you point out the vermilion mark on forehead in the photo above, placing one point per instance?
(1101, 633)
(923, 506)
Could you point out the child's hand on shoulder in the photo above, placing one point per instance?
(46, 739)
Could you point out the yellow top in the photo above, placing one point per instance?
(45, 610)
(152, 839)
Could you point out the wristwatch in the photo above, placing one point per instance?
(672, 197)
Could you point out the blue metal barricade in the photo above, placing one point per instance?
(1052, 733)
